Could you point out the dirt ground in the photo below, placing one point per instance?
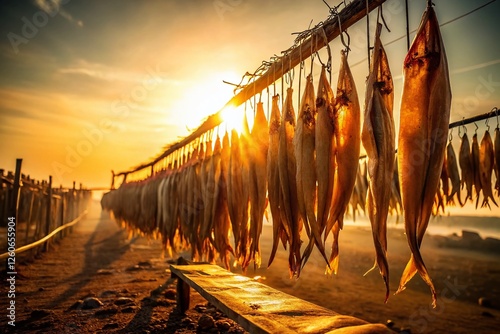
(131, 279)
(128, 276)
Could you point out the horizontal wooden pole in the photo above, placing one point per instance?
(351, 14)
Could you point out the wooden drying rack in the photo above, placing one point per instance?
(319, 38)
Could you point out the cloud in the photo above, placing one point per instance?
(53, 7)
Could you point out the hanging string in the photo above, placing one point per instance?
(368, 48)
(487, 125)
(407, 26)
(477, 127)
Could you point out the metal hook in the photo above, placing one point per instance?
(487, 125)
(380, 15)
(477, 127)
(347, 49)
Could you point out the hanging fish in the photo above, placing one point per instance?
(325, 148)
(378, 136)
(486, 162)
(475, 167)
(258, 180)
(304, 143)
(453, 174)
(425, 115)
(465, 161)
(347, 131)
(273, 178)
(244, 240)
(235, 201)
(287, 165)
(497, 159)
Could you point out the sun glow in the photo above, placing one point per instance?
(232, 119)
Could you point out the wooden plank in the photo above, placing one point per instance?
(261, 309)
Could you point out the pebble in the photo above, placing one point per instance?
(91, 303)
(487, 314)
(124, 301)
(129, 309)
(223, 325)
(389, 323)
(106, 312)
(484, 302)
(77, 305)
(124, 291)
(170, 294)
(39, 313)
(134, 268)
(108, 293)
(111, 325)
(41, 289)
(145, 264)
(206, 322)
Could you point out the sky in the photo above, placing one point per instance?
(87, 87)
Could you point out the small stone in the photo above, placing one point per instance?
(124, 291)
(206, 322)
(170, 294)
(134, 268)
(112, 325)
(484, 302)
(41, 289)
(124, 301)
(144, 264)
(108, 293)
(90, 303)
(487, 314)
(200, 308)
(129, 309)
(223, 325)
(39, 313)
(389, 323)
(77, 305)
(106, 312)
(105, 272)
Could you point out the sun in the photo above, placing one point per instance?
(232, 118)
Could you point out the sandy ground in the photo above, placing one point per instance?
(98, 260)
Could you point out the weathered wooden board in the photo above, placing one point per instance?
(261, 309)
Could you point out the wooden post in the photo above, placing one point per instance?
(63, 232)
(49, 212)
(30, 216)
(14, 200)
(183, 290)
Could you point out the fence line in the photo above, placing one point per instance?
(41, 211)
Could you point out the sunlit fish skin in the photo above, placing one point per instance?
(465, 161)
(325, 148)
(244, 240)
(378, 137)
(234, 189)
(347, 132)
(497, 160)
(304, 143)
(258, 180)
(486, 161)
(453, 174)
(273, 179)
(425, 115)
(475, 167)
(292, 223)
(325, 159)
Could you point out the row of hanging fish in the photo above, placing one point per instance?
(307, 170)
(477, 165)
(202, 197)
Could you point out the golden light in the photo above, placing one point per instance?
(232, 119)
